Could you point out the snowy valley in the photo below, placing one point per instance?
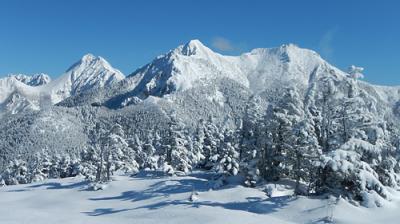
(274, 135)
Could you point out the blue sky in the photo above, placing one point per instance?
(48, 36)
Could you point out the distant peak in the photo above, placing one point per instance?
(195, 43)
(194, 47)
(88, 57)
(290, 46)
(295, 49)
(287, 51)
(90, 60)
(90, 71)
(31, 80)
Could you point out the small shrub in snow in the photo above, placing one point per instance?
(97, 186)
(194, 196)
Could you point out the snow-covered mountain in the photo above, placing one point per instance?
(90, 72)
(17, 96)
(259, 70)
(254, 115)
(183, 67)
(194, 64)
(20, 92)
(190, 65)
(33, 80)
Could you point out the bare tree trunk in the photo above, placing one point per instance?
(100, 167)
(297, 172)
(108, 170)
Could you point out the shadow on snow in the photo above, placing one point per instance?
(253, 205)
(55, 186)
(160, 189)
(104, 211)
(195, 182)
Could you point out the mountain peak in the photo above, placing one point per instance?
(289, 53)
(297, 51)
(290, 46)
(195, 42)
(88, 57)
(90, 72)
(194, 47)
(90, 61)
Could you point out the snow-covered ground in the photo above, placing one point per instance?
(153, 198)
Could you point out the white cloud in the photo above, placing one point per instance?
(222, 44)
(325, 44)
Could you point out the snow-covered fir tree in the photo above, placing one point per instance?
(212, 139)
(16, 173)
(279, 122)
(197, 143)
(228, 155)
(251, 141)
(359, 150)
(177, 149)
(304, 156)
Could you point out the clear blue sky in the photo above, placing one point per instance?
(48, 35)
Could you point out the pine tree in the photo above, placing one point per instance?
(90, 162)
(355, 165)
(16, 173)
(323, 108)
(117, 154)
(137, 148)
(228, 161)
(39, 167)
(279, 122)
(97, 137)
(250, 145)
(304, 156)
(177, 150)
(212, 139)
(197, 143)
(150, 160)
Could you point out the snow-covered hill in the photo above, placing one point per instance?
(18, 92)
